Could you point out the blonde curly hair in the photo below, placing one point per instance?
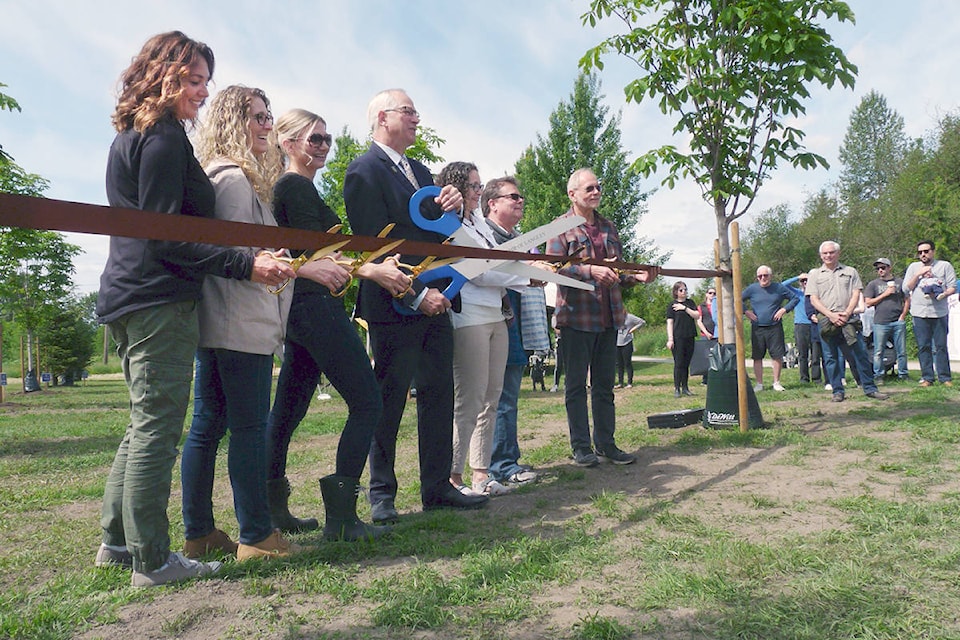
(225, 134)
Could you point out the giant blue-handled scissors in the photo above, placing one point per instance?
(448, 224)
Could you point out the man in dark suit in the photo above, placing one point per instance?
(376, 191)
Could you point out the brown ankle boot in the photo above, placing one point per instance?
(273, 546)
(216, 541)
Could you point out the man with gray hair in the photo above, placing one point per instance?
(588, 322)
(377, 190)
(766, 312)
(834, 291)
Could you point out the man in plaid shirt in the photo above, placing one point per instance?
(588, 321)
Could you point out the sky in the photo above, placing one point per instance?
(484, 75)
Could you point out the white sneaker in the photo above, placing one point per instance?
(778, 387)
(322, 395)
(827, 387)
(491, 487)
(553, 389)
(758, 387)
(177, 568)
(522, 477)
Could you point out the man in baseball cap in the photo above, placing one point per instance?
(891, 305)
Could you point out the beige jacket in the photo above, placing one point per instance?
(238, 314)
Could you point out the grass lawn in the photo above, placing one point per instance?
(838, 520)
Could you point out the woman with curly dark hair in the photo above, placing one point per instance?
(148, 296)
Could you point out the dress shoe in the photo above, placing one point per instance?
(384, 511)
(450, 498)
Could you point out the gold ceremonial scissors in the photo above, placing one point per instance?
(368, 256)
(303, 259)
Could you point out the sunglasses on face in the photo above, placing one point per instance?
(516, 197)
(803, 281)
(590, 188)
(320, 139)
(921, 252)
(763, 275)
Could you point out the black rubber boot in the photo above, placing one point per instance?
(340, 502)
(278, 492)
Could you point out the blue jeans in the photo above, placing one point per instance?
(597, 353)
(231, 390)
(931, 335)
(506, 449)
(156, 347)
(321, 339)
(897, 333)
(835, 349)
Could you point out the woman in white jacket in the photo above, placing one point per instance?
(480, 339)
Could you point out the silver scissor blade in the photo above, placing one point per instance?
(472, 267)
(534, 273)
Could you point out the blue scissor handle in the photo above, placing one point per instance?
(457, 280)
(447, 224)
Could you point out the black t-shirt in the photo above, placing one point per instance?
(683, 325)
(297, 204)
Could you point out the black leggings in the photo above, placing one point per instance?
(682, 355)
(625, 363)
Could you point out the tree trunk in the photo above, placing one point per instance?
(727, 315)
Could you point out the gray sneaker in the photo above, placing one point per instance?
(616, 456)
(107, 557)
(585, 458)
(176, 569)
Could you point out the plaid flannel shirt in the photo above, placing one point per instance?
(576, 308)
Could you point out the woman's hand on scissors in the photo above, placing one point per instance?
(270, 271)
(387, 275)
(326, 272)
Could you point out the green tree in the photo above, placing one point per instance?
(872, 151)
(67, 340)
(732, 73)
(6, 104)
(927, 191)
(582, 135)
(35, 266)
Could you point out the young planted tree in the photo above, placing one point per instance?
(732, 73)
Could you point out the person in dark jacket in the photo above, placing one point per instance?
(148, 297)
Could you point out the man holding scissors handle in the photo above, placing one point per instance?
(377, 190)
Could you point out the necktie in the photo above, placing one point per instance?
(408, 171)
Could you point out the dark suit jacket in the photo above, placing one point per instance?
(376, 193)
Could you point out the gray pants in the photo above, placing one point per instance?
(156, 348)
(584, 351)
